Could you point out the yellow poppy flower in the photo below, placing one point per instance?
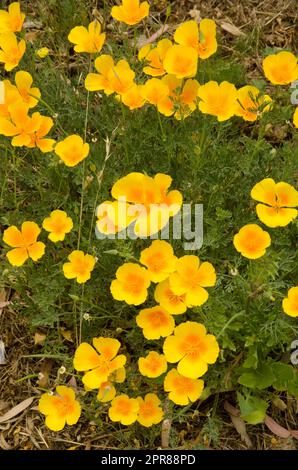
(130, 12)
(28, 131)
(79, 266)
(155, 57)
(159, 260)
(131, 284)
(290, 303)
(251, 104)
(60, 409)
(251, 241)
(182, 390)
(124, 409)
(181, 61)
(112, 217)
(58, 224)
(278, 202)
(281, 68)
(11, 51)
(155, 92)
(192, 348)
(153, 365)
(24, 243)
(72, 150)
(11, 21)
(121, 77)
(99, 363)
(99, 81)
(12, 96)
(155, 322)
(152, 203)
(201, 37)
(150, 411)
(172, 303)
(23, 81)
(295, 118)
(219, 100)
(191, 278)
(37, 138)
(133, 98)
(88, 40)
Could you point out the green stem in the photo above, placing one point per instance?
(229, 322)
(164, 137)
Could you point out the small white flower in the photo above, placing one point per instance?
(62, 370)
(86, 316)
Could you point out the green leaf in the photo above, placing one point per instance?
(284, 375)
(252, 359)
(253, 409)
(259, 378)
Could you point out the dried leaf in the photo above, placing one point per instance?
(142, 42)
(276, 428)
(39, 338)
(45, 373)
(238, 423)
(73, 383)
(67, 334)
(3, 444)
(195, 14)
(16, 410)
(2, 353)
(231, 28)
(240, 427)
(3, 304)
(231, 409)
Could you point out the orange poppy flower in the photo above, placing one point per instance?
(150, 411)
(124, 409)
(131, 284)
(99, 363)
(251, 241)
(88, 40)
(201, 37)
(155, 322)
(182, 390)
(159, 260)
(72, 150)
(79, 266)
(155, 57)
(251, 103)
(191, 278)
(130, 12)
(290, 303)
(219, 100)
(172, 303)
(11, 20)
(192, 348)
(11, 51)
(278, 202)
(60, 409)
(281, 68)
(24, 243)
(153, 365)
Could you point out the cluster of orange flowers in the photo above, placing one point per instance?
(144, 201)
(177, 93)
(25, 245)
(276, 207)
(140, 199)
